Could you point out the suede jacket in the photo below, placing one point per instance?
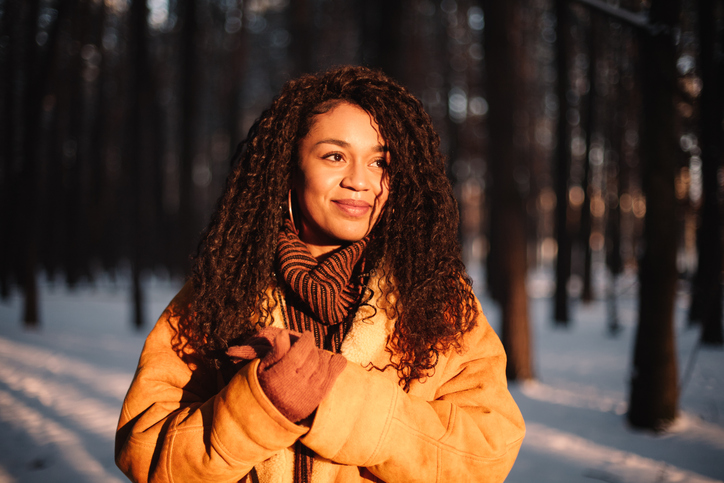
(182, 422)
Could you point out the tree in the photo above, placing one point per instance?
(137, 147)
(34, 63)
(507, 209)
(706, 302)
(381, 40)
(190, 84)
(7, 143)
(585, 229)
(562, 167)
(654, 393)
(302, 45)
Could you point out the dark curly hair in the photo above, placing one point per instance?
(414, 244)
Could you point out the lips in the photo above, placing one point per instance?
(353, 208)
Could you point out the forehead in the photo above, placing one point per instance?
(346, 122)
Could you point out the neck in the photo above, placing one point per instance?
(318, 248)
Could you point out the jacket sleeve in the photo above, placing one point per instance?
(175, 424)
(471, 431)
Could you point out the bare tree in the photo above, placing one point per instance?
(562, 167)
(507, 210)
(190, 84)
(136, 147)
(706, 303)
(654, 393)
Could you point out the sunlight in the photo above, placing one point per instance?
(585, 397)
(624, 467)
(110, 383)
(63, 399)
(46, 431)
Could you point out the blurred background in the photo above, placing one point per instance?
(584, 140)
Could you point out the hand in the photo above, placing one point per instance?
(258, 346)
(294, 374)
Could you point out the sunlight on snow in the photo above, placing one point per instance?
(111, 383)
(586, 397)
(44, 430)
(612, 464)
(33, 375)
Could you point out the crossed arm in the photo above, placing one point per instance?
(176, 425)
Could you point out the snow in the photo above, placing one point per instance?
(61, 389)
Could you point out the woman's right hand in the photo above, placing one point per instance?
(294, 374)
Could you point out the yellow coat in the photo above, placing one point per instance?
(183, 423)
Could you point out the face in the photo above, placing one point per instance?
(341, 184)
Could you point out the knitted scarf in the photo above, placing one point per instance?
(320, 297)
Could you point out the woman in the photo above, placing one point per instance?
(329, 332)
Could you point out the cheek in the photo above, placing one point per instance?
(311, 188)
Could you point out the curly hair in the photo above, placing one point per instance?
(414, 243)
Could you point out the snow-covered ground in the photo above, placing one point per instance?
(61, 389)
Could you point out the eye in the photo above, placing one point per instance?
(379, 163)
(334, 157)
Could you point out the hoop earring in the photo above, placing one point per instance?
(291, 213)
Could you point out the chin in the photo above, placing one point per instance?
(350, 237)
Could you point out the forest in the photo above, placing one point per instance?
(583, 135)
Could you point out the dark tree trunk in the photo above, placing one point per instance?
(613, 255)
(33, 91)
(75, 154)
(562, 168)
(587, 293)
(302, 29)
(137, 148)
(189, 111)
(237, 58)
(706, 302)
(508, 216)
(612, 245)
(381, 35)
(390, 35)
(98, 140)
(8, 143)
(654, 391)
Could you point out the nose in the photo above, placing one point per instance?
(356, 177)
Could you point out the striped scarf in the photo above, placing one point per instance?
(321, 298)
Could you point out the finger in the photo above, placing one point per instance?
(303, 354)
(269, 333)
(280, 345)
(244, 352)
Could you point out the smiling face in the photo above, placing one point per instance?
(341, 183)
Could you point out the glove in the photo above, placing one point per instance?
(294, 374)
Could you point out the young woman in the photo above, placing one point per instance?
(328, 332)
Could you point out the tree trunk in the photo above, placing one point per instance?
(28, 173)
(508, 216)
(302, 30)
(189, 91)
(9, 63)
(137, 148)
(237, 58)
(76, 155)
(585, 237)
(562, 168)
(97, 149)
(654, 391)
(381, 35)
(614, 172)
(706, 302)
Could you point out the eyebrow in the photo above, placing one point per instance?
(344, 144)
